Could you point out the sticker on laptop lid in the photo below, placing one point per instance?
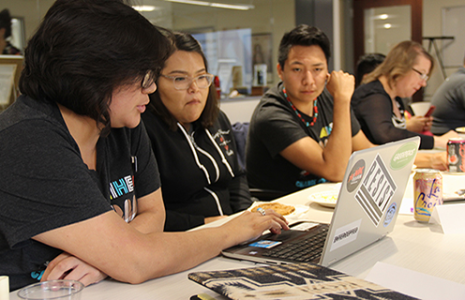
(304, 226)
(345, 234)
(391, 212)
(355, 175)
(376, 191)
(403, 156)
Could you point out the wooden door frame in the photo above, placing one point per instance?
(360, 5)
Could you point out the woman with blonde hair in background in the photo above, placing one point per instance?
(377, 102)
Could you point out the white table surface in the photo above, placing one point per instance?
(412, 245)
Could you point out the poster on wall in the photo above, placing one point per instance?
(229, 53)
(262, 53)
(453, 50)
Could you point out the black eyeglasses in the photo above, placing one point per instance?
(422, 75)
(184, 82)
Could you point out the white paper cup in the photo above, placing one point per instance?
(420, 108)
(52, 290)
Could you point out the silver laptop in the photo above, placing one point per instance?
(367, 207)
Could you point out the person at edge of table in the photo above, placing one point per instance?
(377, 103)
(80, 190)
(449, 100)
(303, 132)
(365, 65)
(193, 142)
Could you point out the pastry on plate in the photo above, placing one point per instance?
(281, 209)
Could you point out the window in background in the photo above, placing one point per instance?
(385, 27)
(228, 50)
(235, 34)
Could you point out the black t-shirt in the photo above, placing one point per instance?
(199, 171)
(373, 108)
(44, 184)
(449, 100)
(274, 127)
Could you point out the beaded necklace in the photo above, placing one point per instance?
(315, 110)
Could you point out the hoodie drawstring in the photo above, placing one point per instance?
(196, 158)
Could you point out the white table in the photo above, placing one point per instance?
(412, 245)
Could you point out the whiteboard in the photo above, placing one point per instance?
(453, 25)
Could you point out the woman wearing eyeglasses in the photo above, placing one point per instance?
(377, 102)
(80, 191)
(193, 142)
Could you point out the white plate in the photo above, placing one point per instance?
(460, 129)
(327, 198)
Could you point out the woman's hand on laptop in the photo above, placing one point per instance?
(250, 225)
(278, 221)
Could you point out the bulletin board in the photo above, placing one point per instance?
(453, 25)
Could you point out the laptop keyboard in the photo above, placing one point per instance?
(307, 249)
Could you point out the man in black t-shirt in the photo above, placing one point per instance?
(302, 133)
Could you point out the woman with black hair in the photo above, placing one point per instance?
(193, 142)
(80, 190)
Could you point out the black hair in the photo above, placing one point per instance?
(186, 42)
(367, 63)
(5, 22)
(85, 49)
(303, 35)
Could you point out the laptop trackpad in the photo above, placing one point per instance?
(297, 230)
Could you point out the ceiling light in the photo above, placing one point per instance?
(202, 3)
(234, 6)
(213, 4)
(382, 17)
(144, 7)
(387, 25)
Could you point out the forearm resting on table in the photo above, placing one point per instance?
(308, 155)
(67, 266)
(436, 160)
(329, 162)
(117, 249)
(135, 257)
(441, 141)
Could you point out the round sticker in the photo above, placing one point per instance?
(391, 212)
(403, 156)
(356, 175)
